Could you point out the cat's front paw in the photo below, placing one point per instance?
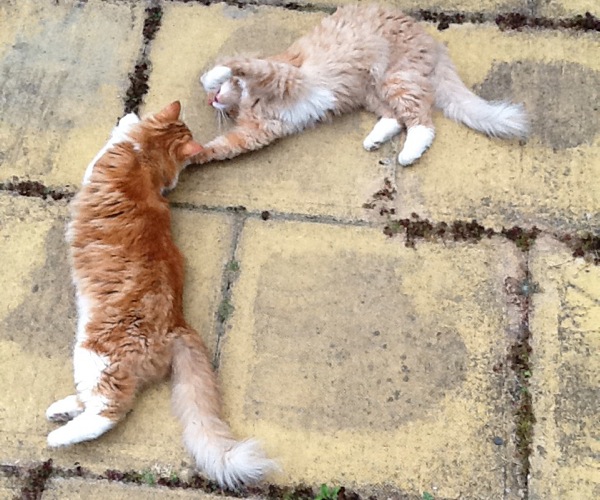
(64, 410)
(213, 79)
(371, 144)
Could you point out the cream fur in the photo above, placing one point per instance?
(369, 57)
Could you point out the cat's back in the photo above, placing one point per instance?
(120, 230)
(362, 31)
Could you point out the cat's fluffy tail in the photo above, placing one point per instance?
(197, 404)
(497, 119)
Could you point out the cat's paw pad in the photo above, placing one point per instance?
(64, 410)
(213, 79)
(371, 144)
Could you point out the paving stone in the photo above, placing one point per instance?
(10, 486)
(565, 327)
(75, 489)
(359, 361)
(37, 326)
(560, 8)
(323, 171)
(65, 67)
(466, 175)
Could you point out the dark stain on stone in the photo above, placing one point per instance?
(306, 346)
(45, 322)
(561, 98)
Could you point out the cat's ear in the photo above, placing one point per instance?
(189, 149)
(171, 112)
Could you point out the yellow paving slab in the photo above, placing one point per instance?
(466, 175)
(359, 361)
(65, 67)
(76, 489)
(565, 326)
(556, 8)
(37, 327)
(322, 171)
(10, 487)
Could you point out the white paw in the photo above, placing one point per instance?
(418, 140)
(371, 144)
(84, 427)
(407, 158)
(213, 79)
(59, 437)
(64, 410)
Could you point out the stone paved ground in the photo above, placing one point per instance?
(403, 333)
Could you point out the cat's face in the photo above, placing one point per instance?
(168, 144)
(226, 99)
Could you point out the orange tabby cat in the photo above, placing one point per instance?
(367, 57)
(129, 275)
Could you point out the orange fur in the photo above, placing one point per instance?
(129, 278)
(369, 57)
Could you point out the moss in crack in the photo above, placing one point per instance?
(138, 79)
(416, 228)
(517, 21)
(523, 238)
(225, 310)
(519, 358)
(35, 481)
(35, 189)
(586, 245)
(444, 20)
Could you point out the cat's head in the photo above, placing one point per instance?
(225, 97)
(166, 143)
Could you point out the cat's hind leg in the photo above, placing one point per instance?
(411, 96)
(105, 390)
(383, 131)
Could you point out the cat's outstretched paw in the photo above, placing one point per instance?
(213, 79)
(64, 410)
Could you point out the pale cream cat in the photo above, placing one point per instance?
(368, 57)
